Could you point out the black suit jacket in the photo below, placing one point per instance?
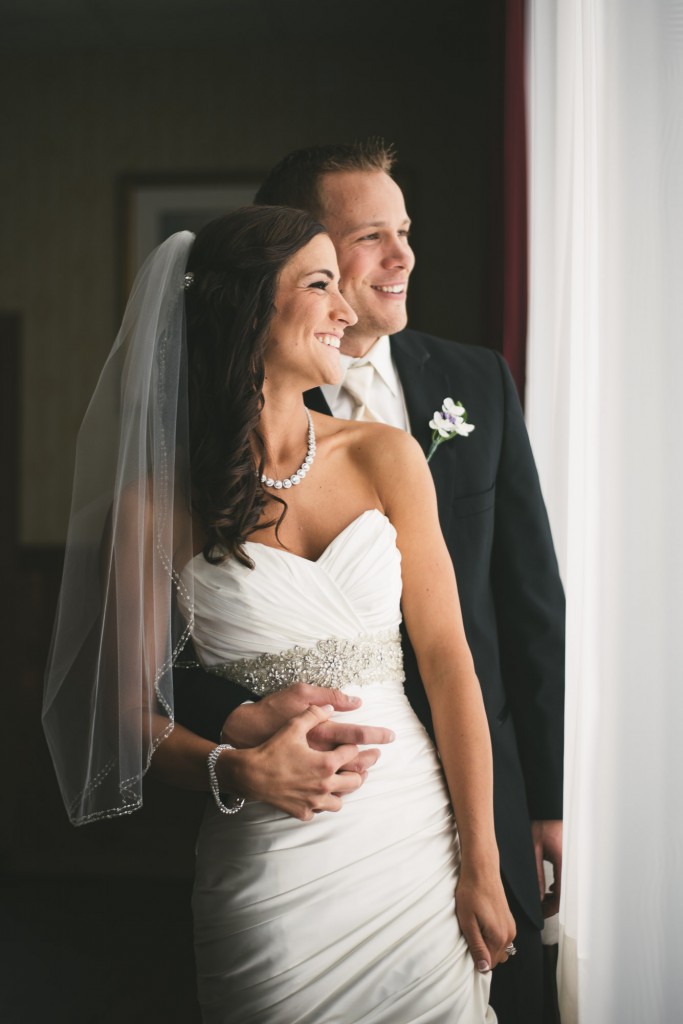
(496, 527)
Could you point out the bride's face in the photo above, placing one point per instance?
(309, 320)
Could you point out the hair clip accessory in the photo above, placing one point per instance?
(188, 280)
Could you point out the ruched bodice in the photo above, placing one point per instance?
(352, 590)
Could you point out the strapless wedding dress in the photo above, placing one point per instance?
(348, 918)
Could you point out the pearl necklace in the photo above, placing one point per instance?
(296, 478)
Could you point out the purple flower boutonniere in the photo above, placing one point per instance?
(452, 420)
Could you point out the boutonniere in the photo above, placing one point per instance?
(446, 424)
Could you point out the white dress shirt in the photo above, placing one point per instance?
(386, 394)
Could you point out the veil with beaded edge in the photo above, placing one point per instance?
(108, 698)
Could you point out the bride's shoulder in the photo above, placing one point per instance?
(380, 448)
(386, 449)
(363, 436)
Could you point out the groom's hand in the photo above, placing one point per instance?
(250, 725)
(547, 840)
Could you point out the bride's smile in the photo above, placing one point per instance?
(309, 321)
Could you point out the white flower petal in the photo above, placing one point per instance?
(450, 421)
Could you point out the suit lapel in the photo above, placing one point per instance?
(418, 378)
(425, 385)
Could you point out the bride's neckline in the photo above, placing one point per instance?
(313, 561)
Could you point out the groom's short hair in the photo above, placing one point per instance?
(295, 180)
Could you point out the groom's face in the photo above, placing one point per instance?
(365, 214)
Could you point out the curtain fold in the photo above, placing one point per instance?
(605, 366)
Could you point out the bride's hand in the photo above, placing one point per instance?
(252, 724)
(286, 773)
(484, 917)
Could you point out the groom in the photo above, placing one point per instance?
(492, 516)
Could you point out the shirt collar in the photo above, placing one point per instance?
(379, 357)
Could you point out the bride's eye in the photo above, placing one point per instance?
(320, 284)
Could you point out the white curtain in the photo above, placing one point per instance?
(605, 412)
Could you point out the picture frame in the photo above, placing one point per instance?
(152, 207)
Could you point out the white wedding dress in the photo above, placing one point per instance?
(348, 918)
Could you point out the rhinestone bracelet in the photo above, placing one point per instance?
(213, 782)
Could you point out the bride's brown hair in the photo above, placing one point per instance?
(235, 262)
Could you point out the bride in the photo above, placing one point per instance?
(190, 517)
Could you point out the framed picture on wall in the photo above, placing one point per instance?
(154, 207)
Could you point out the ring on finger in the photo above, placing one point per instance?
(511, 949)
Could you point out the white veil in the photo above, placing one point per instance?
(109, 687)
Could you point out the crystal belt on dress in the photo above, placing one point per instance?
(373, 658)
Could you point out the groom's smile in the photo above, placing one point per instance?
(365, 213)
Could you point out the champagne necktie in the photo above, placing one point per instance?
(357, 384)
